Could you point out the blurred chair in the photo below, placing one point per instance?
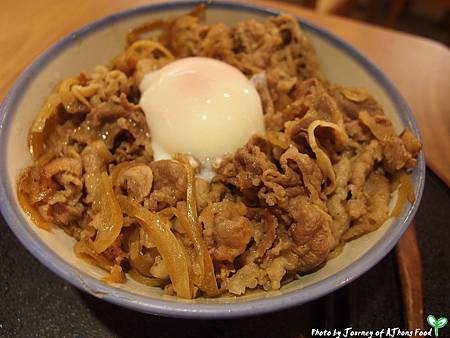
(333, 6)
(395, 7)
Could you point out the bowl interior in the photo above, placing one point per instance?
(96, 45)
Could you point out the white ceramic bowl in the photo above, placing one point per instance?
(97, 43)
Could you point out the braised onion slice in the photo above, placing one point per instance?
(136, 33)
(109, 220)
(145, 49)
(83, 249)
(116, 275)
(402, 181)
(30, 210)
(149, 50)
(169, 247)
(193, 229)
(36, 134)
(323, 161)
(149, 281)
(380, 126)
(138, 261)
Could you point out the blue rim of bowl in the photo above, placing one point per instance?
(173, 308)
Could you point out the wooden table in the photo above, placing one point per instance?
(419, 67)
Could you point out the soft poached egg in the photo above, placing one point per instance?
(201, 107)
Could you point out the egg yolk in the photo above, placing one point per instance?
(200, 106)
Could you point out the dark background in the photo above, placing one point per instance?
(427, 18)
(36, 303)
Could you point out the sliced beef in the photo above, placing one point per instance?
(226, 229)
(169, 185)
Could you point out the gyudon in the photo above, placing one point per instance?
(312, 168)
